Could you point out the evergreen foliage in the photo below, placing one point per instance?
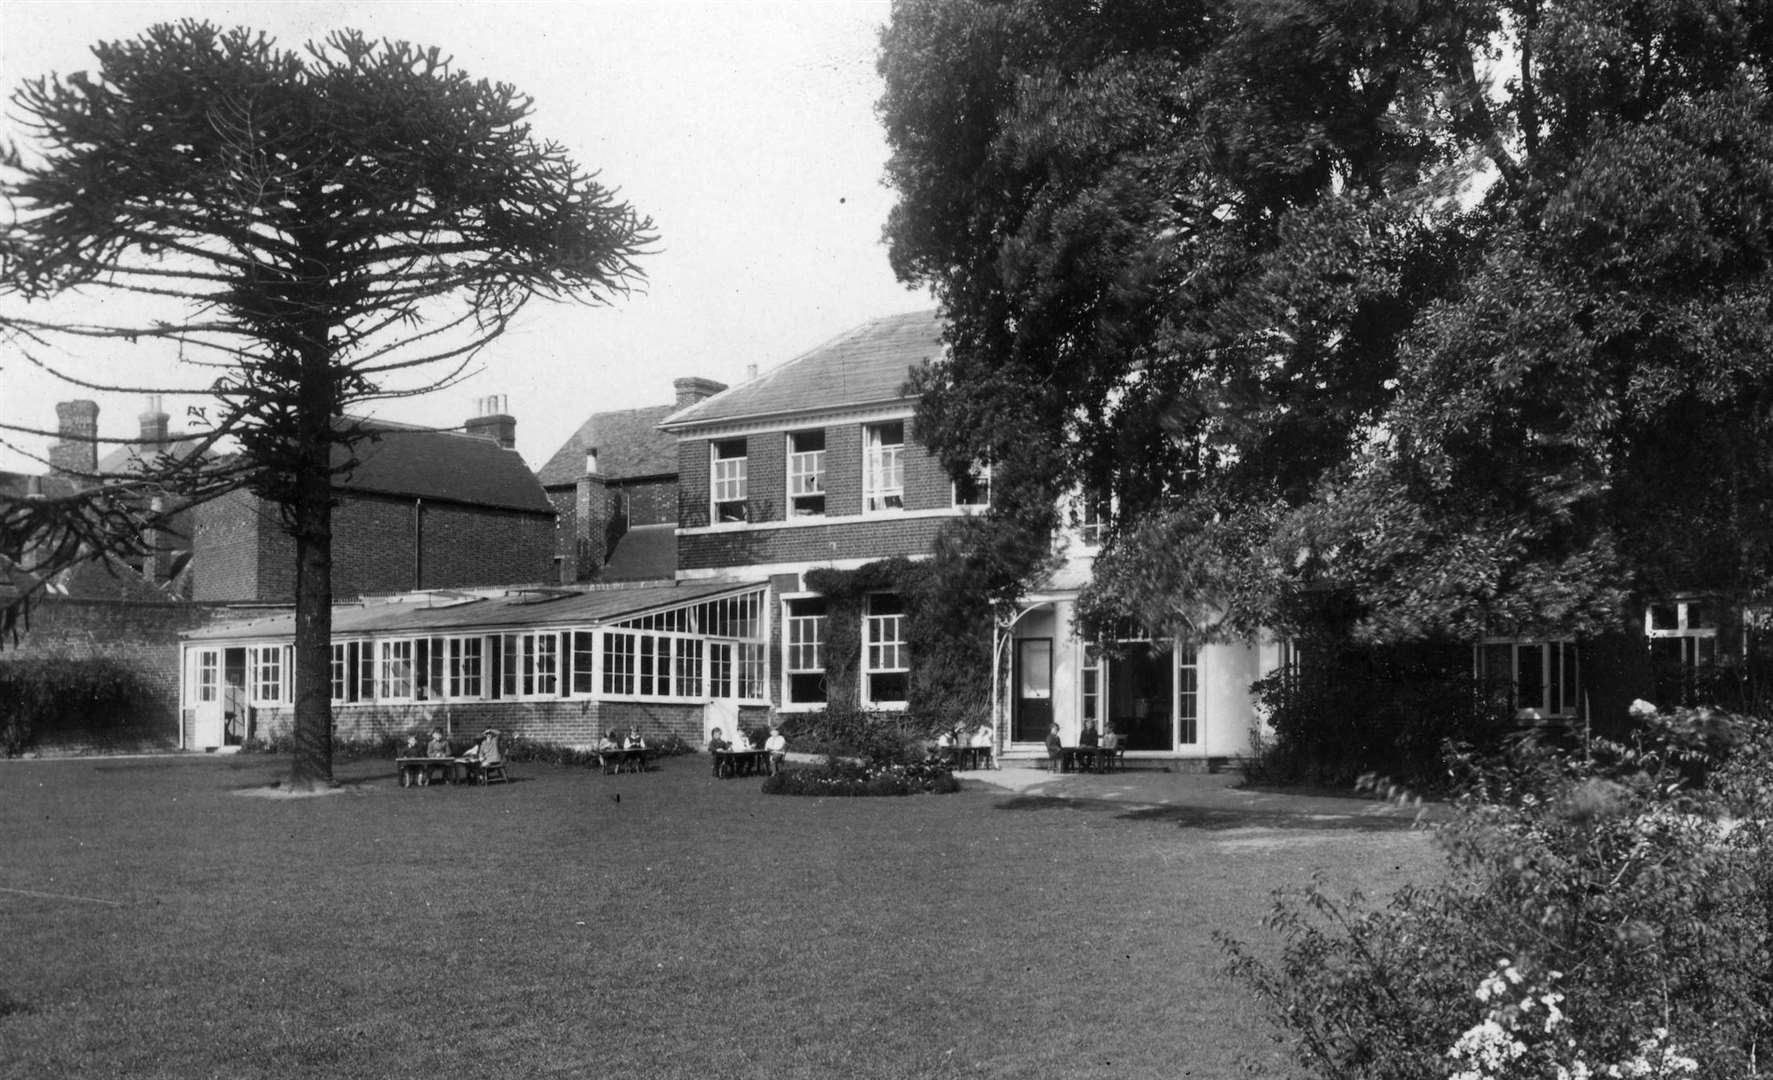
(322, 228)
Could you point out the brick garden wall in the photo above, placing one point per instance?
(142, 636)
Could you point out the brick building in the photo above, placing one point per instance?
(813, 465)
(817, 465)
(614, 486)
(421, 509)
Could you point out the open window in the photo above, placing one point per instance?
(727, 471)
(806, 473)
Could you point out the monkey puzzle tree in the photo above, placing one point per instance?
(324, 228)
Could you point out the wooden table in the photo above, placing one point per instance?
(632, 758)
(740, 762)
(1085, 758)
(417, 770)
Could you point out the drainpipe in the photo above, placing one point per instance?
(418, 544)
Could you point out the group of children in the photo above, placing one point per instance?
(485, 751)
(614, 740)
(776, 744)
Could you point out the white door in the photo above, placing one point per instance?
(722, 713)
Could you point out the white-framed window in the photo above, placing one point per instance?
(345, 683)
(973, 491)
(584, 673)
(753, 670)
(1090, 513)
(209, 674)
(886, 659)
(687, 669)
(1090, 686)
(806, 473)
(619, 650)
(803, 650)
(883, 473)
(1683, 641)
(727, 483)
(1187, 695)
(394, 670)
(531, 665)
(1541, 677)
(267, 665)
(466, 661)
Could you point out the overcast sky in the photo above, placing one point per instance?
(745, 129)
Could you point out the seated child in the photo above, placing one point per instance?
(438, 747)
(634, 741)
(411, 772)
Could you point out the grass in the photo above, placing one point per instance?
(157, 924)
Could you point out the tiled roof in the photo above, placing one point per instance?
(644, 553)
(15, 485)
(628, 442)
(128, 458)
(866, 365)
(512, 609)
(448, 466)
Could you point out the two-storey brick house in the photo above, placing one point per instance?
(816, 465)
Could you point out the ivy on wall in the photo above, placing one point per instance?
(976, 563)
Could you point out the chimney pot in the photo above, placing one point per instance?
(493, 422)
(591, 461)
(156, 429)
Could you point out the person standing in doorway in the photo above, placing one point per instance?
(236, 712)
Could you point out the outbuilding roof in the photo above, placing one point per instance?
(863, 366)
(628, 443)
(447, 466)
(442, 612)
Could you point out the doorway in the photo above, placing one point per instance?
(1032, 707)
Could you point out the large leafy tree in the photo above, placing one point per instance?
(1457, 309)
(322, 227)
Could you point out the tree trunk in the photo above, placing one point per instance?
(312, 521)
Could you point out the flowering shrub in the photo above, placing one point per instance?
(1639, 872)
(1523, 1036)
(839, 777)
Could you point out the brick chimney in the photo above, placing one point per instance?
(493, 422)
(156, 430)
(692, 390)
(75, 454)
(592, 519)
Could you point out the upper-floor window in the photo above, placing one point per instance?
(883, 475)
(1090, 512)
(727, 471)
(974, 489)
(806, 473)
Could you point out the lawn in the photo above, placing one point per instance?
(155, 922)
